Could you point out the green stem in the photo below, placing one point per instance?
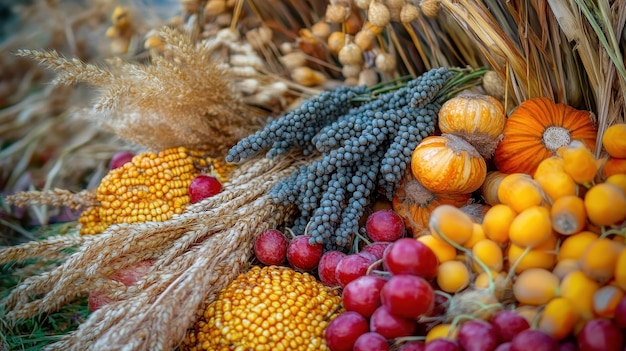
(404, 339)
(463, 79)
(370, 269)
(512, 268)
(374, 88)
(616, 231)
(468, 253)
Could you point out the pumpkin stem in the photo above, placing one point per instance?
(458, 145)
(416, 194)
(555, 137)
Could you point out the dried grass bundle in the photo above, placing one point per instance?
(195, 254)
(556, 49)
(182, 99)
(41, 145)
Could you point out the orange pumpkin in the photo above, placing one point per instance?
(536, 129)
(448, 164)
(414, 203)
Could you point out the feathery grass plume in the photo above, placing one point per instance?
(184, 99)
(194, 255)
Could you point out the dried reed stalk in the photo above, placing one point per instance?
(195, 254)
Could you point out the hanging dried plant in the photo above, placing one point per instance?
(180, 99)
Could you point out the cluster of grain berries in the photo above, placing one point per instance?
(151, 187)
(363, 145)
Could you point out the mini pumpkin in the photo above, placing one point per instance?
(477, 118)
(537, 129)
(414, 203)
(447, 164)
(489, 188)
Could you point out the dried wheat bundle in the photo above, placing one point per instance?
(182, 99)
(193, 254)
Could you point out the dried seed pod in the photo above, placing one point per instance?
(336, 13)
(364, 39)
(372, 28)
(368, 77)
(351, 81)
(351, 54)
(430, 8)
(362, 4)
(351, 71)
(223, 19)
(214, 7)
(307, 76)
(336, 41)
(378, 14)
(259, 37)
(189, 6)
(321, 29)
(385, 62)
(265, 33)
(409, 13)
(248, 86)
(354, 23)
(494, 85)
(395, 9)
(293, 59)
(154, 42)
(286, 47)
(394, 4)
(310, 44)
(254, 61)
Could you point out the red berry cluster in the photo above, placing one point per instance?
(384, 304)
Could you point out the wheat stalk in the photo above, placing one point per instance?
(194, 254)
(55, 197)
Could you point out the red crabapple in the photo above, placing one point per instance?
(302, 255)
(271, 247)
(327, 265)
(385, 225)
(202, 187)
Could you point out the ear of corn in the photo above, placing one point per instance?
(152, 187)
(269, 308)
